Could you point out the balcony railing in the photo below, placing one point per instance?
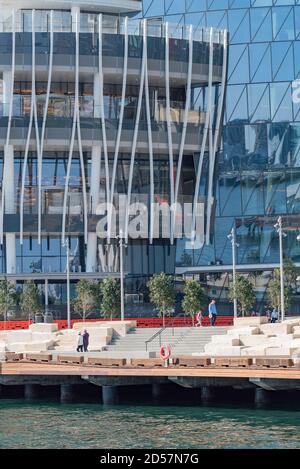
(62, 22)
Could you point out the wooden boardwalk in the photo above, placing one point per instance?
(50, 369)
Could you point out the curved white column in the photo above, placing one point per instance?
(215, 139)
(205, 132)
(185, 119)
(32, 114)
(10, 113)
(120, 125)
(102, 112)
(134, 142)
(76, 126)
(169, 126)
(40, 154)
(149, 129)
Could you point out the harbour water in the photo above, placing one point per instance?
(49, 424)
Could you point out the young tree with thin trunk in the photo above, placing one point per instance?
(7, 298)
(194, 298)
(111, 298)
(30, 302)
(85, 299)
(162, 294)
(243, 293)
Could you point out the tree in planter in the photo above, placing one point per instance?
(7, 298)
(162, 294)
(30, 301)
(244, 294)
(194, 298)
(85, 299)
(111, 298)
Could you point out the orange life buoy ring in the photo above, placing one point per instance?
(165, 352)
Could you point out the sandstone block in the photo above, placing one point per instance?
(41, 336)
(253, 340)
(19, 336)
(253, 351)
(225, 340)
(278, 328)
(225, 351)
(280, 351)
(39, 327)
(250, 321)
(249, 330)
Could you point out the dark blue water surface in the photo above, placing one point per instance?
(43, 424)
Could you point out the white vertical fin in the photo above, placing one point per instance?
(215, 139)
(32, 112)
(75, 115)
(150, 142)
(134, 142)
(10, 113)
(102, 113)
(169, 125)
(40, 156)
(121, 118)
(205, 132)
(185, 120)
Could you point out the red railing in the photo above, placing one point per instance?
(141, 322)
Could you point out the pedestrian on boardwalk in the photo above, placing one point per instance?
(80, 343)
(212, 312)
(85, 340)
(274, 316)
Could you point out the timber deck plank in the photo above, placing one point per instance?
(78, 370)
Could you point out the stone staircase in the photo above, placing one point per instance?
(183, 340)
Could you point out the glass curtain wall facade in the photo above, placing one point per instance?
(94, 106)
(259, 166)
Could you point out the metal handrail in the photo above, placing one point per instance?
(158, 333)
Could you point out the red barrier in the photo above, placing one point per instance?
(141, 322)
(14, 325)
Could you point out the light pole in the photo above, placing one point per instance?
(67, 246)
(232, 237)
(122, 274)
(278, 228)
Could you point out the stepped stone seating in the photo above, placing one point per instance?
(43, 337)
(257, 338)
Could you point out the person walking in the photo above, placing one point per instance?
(212, 312)
(85, 336)
(274, 316)
(80, 343)
(199, 318)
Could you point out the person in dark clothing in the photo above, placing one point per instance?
(212, 312)
(85, 340)
(274, 316)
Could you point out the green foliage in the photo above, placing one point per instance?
(30, 300)
(8, 297)
(87, 298)
(111, 297)
(194, 298)
(244, 294)
(162, 293)
(290, 284)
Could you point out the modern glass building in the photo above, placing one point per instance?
(259, 165)
(99, 102)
